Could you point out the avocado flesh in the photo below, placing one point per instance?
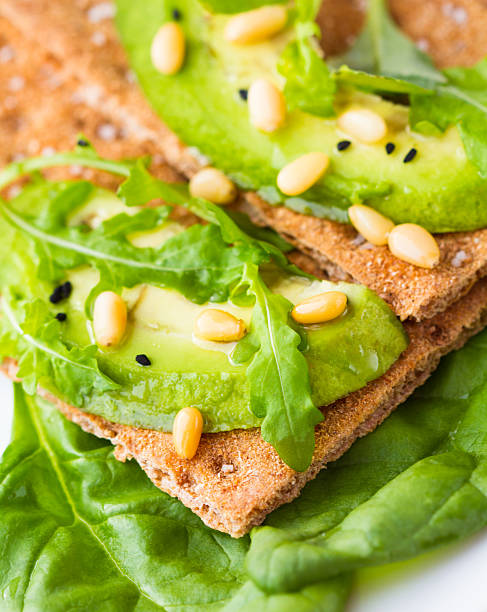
(343, 355)
(440, 190)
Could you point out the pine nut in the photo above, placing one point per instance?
(211, 184)
(267, 107)
(168, 48)
(186, 432)
(109, 319)
(363, 124)
(219, 326)
(300, 174)
(373, 226)
(255, 26)
(414, 244)
(320, 308)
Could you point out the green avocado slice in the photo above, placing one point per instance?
(439, 189)
(343, 355)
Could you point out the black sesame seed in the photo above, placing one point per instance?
(176, 15)
(343, 144)
(143, 360)
(390, 146)
(410, 156)
(243, 93)
(61, 292)
(83, 143)
(61, 316)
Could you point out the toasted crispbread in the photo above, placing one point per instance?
(236, 478)
(98, 76)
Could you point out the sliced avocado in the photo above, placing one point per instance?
(343, 355)
(440, 189)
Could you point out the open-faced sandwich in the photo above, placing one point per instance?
(143, 303)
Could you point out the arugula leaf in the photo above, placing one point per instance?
(32, 334)
(196, 262)
(462, 101)
(81, 529)
(258, 232)
(310, 85)
(229, 6)
(418, 482)
(280, 390)
(141, 187)
(383, 51)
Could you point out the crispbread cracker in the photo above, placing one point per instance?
(99, 77)
(236, 478)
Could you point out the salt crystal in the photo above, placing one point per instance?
(16, 83)
(106, 131)
(422, 44)
(199, 156)
(130, 76)
(457, 13)
(358, 240)
(7, 54)
(48, 151)
(98, 38)
(76, 170)
(99, 12)
(14, 191)
(458, 259)
(227, 468)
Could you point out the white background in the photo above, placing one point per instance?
(450, 580)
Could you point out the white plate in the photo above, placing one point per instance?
(452, 580)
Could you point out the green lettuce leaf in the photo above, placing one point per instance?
(280, 391)
(418, 482)
(29, 331)
(80, 530)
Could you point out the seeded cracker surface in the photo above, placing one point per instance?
(235, 478)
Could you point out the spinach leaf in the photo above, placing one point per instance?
(30, 332)
(80, 529)
(418, 482)
(280, 391)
